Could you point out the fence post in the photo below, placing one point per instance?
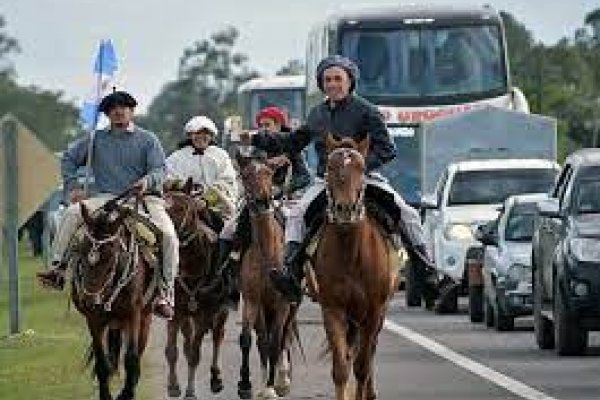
(11, 179)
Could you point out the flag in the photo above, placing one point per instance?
(105, 66)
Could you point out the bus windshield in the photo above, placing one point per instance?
(288, 100)
(427, 61)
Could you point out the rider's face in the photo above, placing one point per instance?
(200, 139)
(269, 125)
(336, 83)
(120, 116)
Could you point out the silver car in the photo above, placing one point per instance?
(507, 275)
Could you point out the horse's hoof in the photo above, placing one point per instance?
(189, 395)
(216, 385)
(267, 393)
(245, 393)
(174, 391)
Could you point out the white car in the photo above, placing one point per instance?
(469, 194)
(507, 272)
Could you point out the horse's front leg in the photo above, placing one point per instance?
(102, 367)
(335, 329)
(132, 358)
(172, 354)
(218, 335)
(363, 364)
(249, 313)
(193, 334)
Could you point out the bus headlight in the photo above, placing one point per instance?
(458, 232)
(585, 249)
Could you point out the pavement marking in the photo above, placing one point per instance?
(506, 382)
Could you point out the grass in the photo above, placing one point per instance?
(45, 361)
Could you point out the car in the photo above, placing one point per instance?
(566, 257)
(506, 271)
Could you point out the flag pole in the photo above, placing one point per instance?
(88, 167)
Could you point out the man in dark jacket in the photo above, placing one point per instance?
(346, 115)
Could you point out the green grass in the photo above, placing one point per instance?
(46, 361)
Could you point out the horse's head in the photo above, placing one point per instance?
(101, 245)
(184, 206)
(345, 173)
(257, 179)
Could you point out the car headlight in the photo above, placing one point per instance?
(585, 249)
(519, 273)
(458, 232)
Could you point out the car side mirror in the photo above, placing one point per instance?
(429, 202)
(549, 209)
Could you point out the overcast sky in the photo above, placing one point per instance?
(59, 37)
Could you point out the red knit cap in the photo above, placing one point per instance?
(274, 113)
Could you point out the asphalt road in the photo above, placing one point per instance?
(420, 356)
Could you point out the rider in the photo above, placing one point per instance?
(210, 167)
(272, 120)
(347, 115)
(124, 156)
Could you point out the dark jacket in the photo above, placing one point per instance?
(354, 117)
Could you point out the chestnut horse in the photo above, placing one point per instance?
(353, 271)
(199, 293)
(264, 309)
(110, 276)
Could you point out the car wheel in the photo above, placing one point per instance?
(503, 322)
(488, 313)
(570, 338)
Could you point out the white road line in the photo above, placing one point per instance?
(508, 383)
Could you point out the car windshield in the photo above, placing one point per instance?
(427, 61)
(494, 186)
(587, 196)
(519, 225)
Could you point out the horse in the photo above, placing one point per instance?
(353, 276)
(264, 309)
(110, 278)
(199, 293)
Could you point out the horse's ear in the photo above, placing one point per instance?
(189, 184)
(363, 146)
(85, 214)
(242, 161)
(330, 143)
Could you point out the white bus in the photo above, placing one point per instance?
(418, 63)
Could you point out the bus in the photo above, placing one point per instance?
(285, 92)
(418, 63)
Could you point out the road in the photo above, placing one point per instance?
(420, 356)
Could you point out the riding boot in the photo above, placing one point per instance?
(428, 276)
(230, 273)
(288, 281)
(54, 278)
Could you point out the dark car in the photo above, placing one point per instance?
(566, 257)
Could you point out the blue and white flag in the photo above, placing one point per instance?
(105, 67)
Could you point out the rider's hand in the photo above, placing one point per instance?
(76, 195)
(140, 187)
(278, 161)
(245, 138)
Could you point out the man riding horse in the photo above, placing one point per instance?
(271, 120)
(345, 114)
(210, 168)
(124, 156)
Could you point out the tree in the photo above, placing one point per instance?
(208, 76)
(8, 45)
(293, 67)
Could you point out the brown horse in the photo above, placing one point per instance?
(199, 294)
(264, 309)
(353, 270)
(110, 276)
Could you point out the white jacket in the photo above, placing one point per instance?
(213, 169)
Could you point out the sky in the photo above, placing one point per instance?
(59, 38)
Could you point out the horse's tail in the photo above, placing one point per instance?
(352, 336)
(113, 351)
